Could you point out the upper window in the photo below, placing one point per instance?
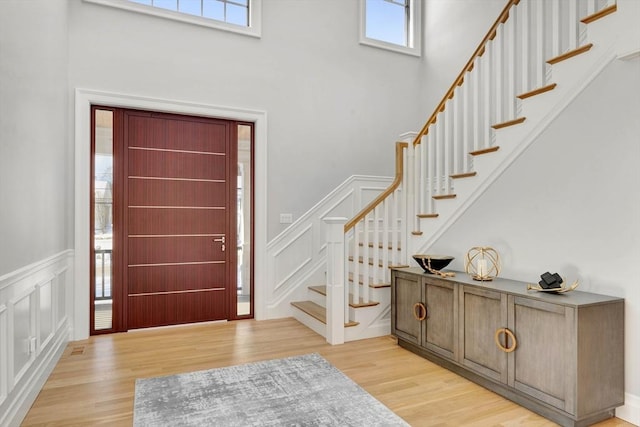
(391, 24)
(230, 11)
(240, 16)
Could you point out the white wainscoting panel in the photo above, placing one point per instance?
(297, 256)
(292, 258)
(4, 369)
(45, 320)
(21, 329)
(34, 331)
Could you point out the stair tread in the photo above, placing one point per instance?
(433, 215)
(463, 175)
(360, 261)
(372, 285)
(570, 54)
(444, 196)
(380, 246)
(322, 290)
(537, 91)
(318, 312)
(600, 14)
(484, 151)
(509, 123)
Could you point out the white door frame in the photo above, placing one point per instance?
(83, 101)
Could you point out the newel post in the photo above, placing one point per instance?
(335, 280)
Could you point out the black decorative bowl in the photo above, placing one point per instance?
(433, 262)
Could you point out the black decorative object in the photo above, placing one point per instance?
(432, 263)
(550, 281)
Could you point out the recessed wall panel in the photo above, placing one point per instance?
(293, 257)
(46, 312)
(21, 334)
(4, 354)
(61, 294)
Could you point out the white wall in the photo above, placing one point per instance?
(453, 30)
(35, 151)
(571, 203)
(334, 107)
(34, 143)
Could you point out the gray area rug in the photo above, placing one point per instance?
(294, 391)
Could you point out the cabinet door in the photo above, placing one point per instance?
(405, 293)
(482, 313)
(541, 364)
(441, 300)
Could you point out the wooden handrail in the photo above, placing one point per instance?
(394, 185)
(502, 18)
(504, 15)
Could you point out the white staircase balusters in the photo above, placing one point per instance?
(355, 287)
(511, 60)
(467, 123)
(511, 64)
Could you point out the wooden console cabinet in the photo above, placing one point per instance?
(560, 355)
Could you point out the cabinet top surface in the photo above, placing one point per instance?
(514, 287)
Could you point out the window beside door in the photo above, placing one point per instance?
(102, 248)
(244, 210)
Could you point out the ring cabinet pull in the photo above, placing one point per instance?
(508, 334)
(419, 311)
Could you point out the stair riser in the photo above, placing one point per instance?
(309, 321)
(319, 299)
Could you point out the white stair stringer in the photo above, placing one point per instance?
(572, 76)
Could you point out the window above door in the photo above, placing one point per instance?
(238, 16)
(391, 24)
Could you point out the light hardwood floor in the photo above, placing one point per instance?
(93, 383)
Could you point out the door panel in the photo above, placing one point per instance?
(155, 192)
(189, 165)
(482, 313)
(174, 249)
(175, 308)
(180, 219)
(176, 277)
(175, 221)
(406, 293)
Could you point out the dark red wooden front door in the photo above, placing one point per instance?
(179, 218)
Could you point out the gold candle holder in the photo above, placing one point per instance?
(482, 263)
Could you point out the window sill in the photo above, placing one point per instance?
(253, 31)
(412, 51)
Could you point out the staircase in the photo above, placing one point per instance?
(537, 57)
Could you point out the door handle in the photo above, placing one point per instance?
(221, 240)
(507, 334)
(419, 311)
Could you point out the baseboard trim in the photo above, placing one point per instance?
(630, 411)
